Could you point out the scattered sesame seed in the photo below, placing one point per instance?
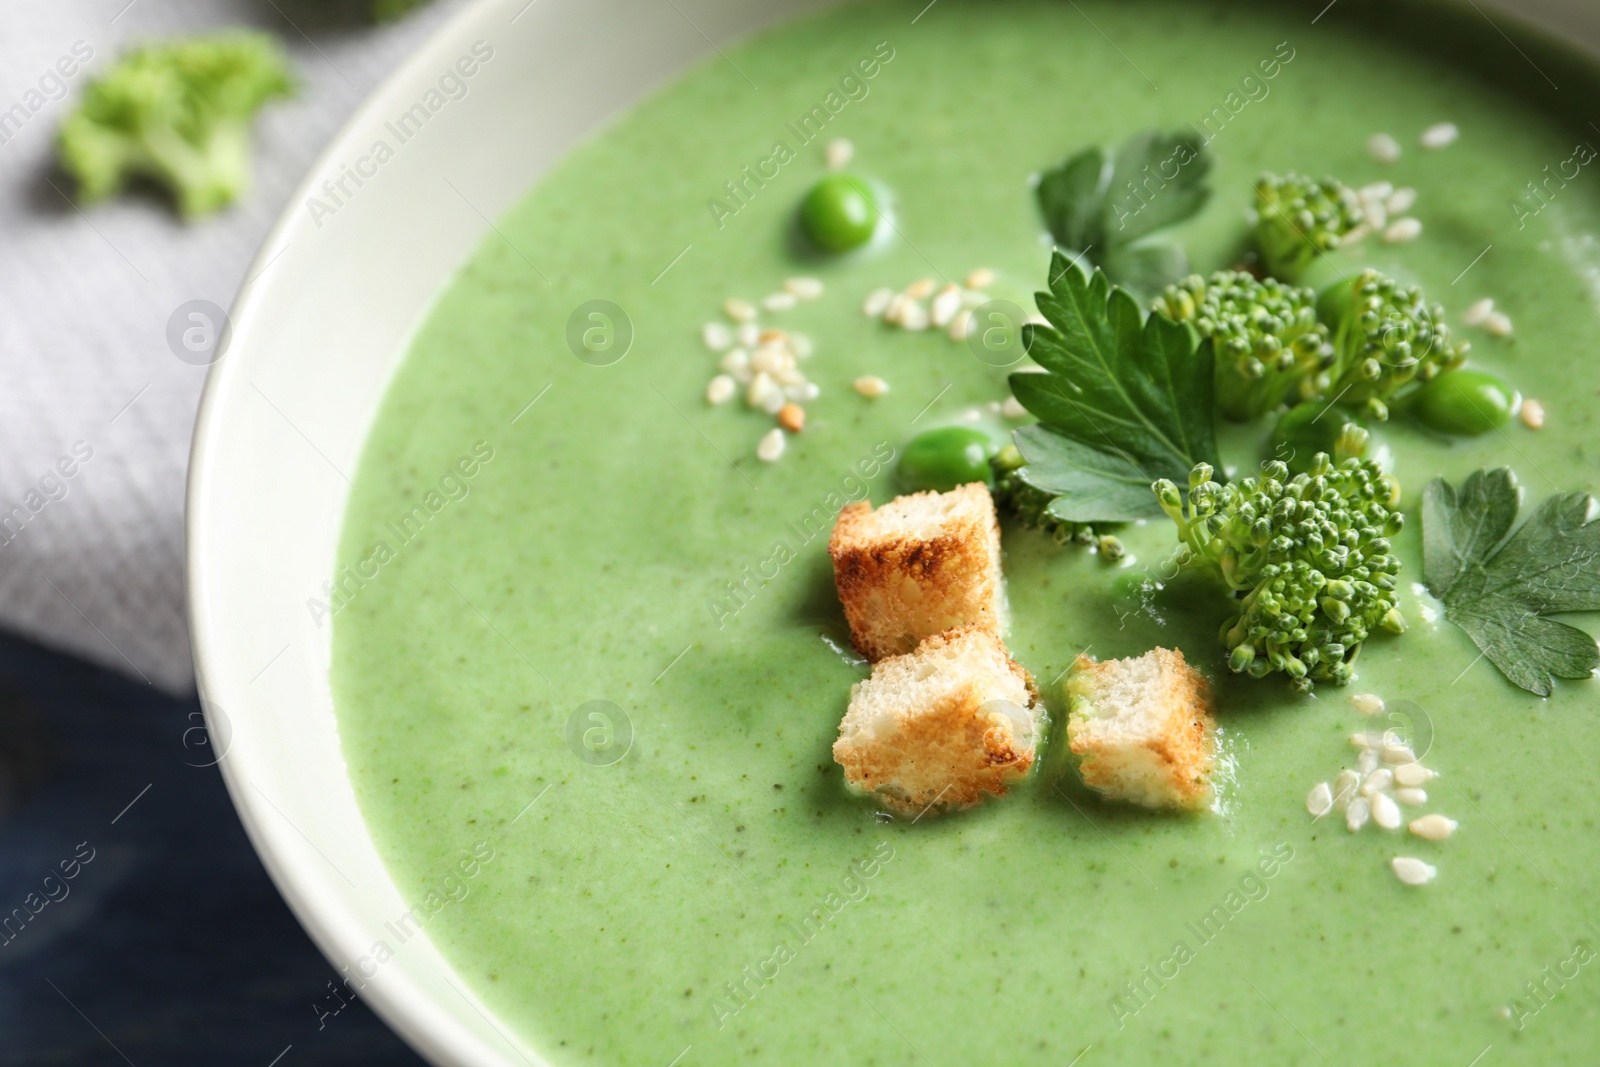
(764, 393)
(877, 302)
(748, 334)
(914, 316)
(1377, 781)
(717, 336)
(1012, 408)
(1402, 200)
(1403, 230)
(839, 153)
(803, 392)
(981, 278)
(1357, 234)
(961, 325)
(945, 305)
(1379, 190)
(1384, 149)
(1411, 798)
(969, 415)
(1355, 816)
(896, 309)
(768, 337)
(1377, 216)
(1434, 827)
(792, 417)
(778, 301)
(737, 363)
(1393, 754)
(1345, 787)
(1364, 739)
(1478, 313)
(803, 288)
(1320, 800)
(800, 345)
(1413, 774)
(1385, 812)
(720, 390)
(1441, 135)
(920, 289)
(1413, 871)
(739, 310)
(771, 446)
(1367, 762)
(1498, 324)
(1532, 414)
(870, 385)
(771, 359)
(1367, 703)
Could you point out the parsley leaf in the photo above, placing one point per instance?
(1104, 205)
(1127, 400)
(1499, 586)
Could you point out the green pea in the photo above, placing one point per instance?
(1466, 402)
(1317, 426)
(943, 458)
(839, 213)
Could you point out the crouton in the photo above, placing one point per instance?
(918, 566)
(1144, 729)
(941, 727)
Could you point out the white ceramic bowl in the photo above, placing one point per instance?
(318, 328)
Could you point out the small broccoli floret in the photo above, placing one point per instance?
(1029, 505)
(392, 10)
(1385, 336)
(178, 112)
(1269, 345)
(1298, 219)
(1307, 557)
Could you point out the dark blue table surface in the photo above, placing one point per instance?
(169, 944)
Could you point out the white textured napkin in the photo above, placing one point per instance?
(95, 409)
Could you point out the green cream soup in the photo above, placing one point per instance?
(678, 868)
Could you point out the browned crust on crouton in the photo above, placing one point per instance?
(898, 590)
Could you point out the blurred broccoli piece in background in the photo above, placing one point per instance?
(179, 112)
(392, 10)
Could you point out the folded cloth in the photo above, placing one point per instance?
(96, 409)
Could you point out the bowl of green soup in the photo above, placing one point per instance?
(511, 502)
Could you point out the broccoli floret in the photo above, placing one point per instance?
(393, 10)
(178, 112)
(1270, 348)
(1298, 219)
(1308, 558)
(1029, 505)
(1385, 336)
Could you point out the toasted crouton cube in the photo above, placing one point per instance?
(941, 727)
(1144, 728)
(918, 566)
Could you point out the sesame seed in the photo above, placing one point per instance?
(739, 310)
(877, 302)
(1345, 787)
(778, 301)
(803, 392)
(748, 334)
(737, 363)
(1320, 800)
(1478, 313)
(1411, 798)
(1367, 762)
(1377, 781)
(1441, 135)
(1532, 414)
(981, 278)
(1402, 200)
(839, 153)
(1393, 754)
(920, 289)
(896, 309)
(1498, 324)
(772, 336)
(945, 305)
(870, 385)
(1434, 827)
(1357, 234)
(771, 446)
(792, 417)
(1355, 816)
(1375, 191)
(803, 288)
(1363, 739)
(1377, 216)
(1367, 703)
(1385, 812)
(1012, 408)
(764, 393)
(1413, 871)
(1384, 148)
(771, 359)
(720, 389)
(716, 336)
(914, 316)
(1402, 231)
(961, 325)
(1413, 774)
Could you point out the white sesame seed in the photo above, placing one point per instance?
(736, 362)
(1320, 800)
(778, 301)
(802, 392)
(896, 309)
(870, 385)
(1377, 216)
(1393, 754)
(716, 335)
(1434, 827)
(1356, 235)
(839, 153)
(1498, 324)
(920, 289)
(945, 305)
(973, 298)
(748, 334)
(877, 302)
(1441, 135)
(1411, 798)
(1384, 149)
(739, 310)
(789, 378)
(1012, 408)
(1385, 812)
(720, 389)
(1364, 739)
(764, 393)
(1367, 703)
(1411, 775)
(803, 288)
(1532, 414)
(1402, 200)
(771, 446)
(1367, 762)
(1413, 871)
(914, 317)
(1355, 816)
(1345, 788)
(1402, 231)
(969, 415)
(772, 359)
(961, 325)
(1379, 190)
(1478, 313)
(981, 278)
(1377, 781)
